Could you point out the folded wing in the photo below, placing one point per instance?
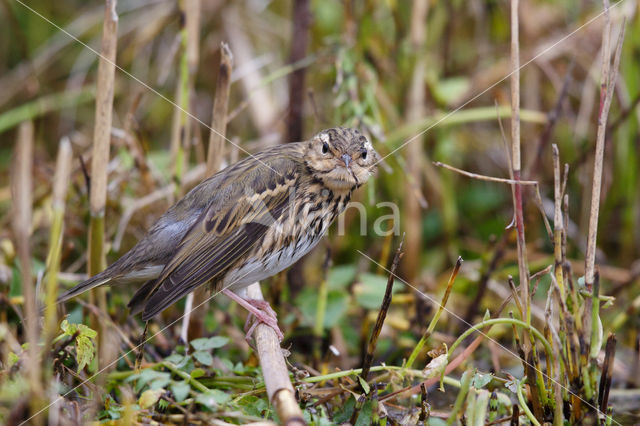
(222, 237)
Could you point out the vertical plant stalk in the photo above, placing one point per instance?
(274, 369)
(607, 371)
(301, 19)
(60, 186)
(299, 43)
(436, 317)
(192, 27)
(523, 268)
(465, 384)
(607, 85)
(382, 314)
(181, 130)
(321, 308)
(558, 225)
(100, 159)
(22, 195)
(523, 404)
(215, 153)
(416, 161)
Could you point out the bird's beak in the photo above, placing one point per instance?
(346, 159)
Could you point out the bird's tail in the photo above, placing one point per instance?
(93, 282)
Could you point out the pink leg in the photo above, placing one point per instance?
(260, 309)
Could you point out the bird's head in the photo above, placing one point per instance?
(342, 158)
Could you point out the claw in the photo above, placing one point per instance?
(259, 312)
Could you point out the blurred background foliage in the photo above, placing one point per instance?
(360, 65)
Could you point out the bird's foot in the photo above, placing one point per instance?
(259, 312)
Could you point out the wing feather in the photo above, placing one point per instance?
(222, 237)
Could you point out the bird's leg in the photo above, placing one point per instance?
(261, 311)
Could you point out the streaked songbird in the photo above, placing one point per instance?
(246, 223)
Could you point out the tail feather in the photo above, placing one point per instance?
(139, 299)
(93, 282)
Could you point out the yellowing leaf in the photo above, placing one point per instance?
(150, 397)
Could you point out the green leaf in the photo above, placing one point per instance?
(163, 404)
(345, 413)
(180, 390)
(364, 384)
(198, 372)
(512, 385)
(148, 375)
(337, 306)
(208, 343)
(212, 398)
(341, 276)
(450, 90)
(175, 359)
(487, 315)
(85, 351)
(160, 382)
(13, 358)
(203, 357)
(481, 380)
(364, 417)
(71, 328)
(150, 397)
(370, 291)
(254, 406)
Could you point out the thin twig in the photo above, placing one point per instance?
(382, 314)
(436, 316)
(483, 177)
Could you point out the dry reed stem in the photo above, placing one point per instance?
(22, 194)
(60, 186)
(301, 17)
(100, 159)
(274, 369)
(415, 156)
(599, 154)
(608, 76)
(516, 164)
(219, 113)
(187, 67)
(192, 27)
(558, 225)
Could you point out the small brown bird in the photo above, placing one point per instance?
(244, 224)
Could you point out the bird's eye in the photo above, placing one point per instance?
(364, 154)
(325, 148)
